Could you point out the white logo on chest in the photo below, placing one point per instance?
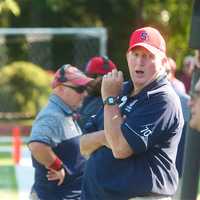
(123, 101)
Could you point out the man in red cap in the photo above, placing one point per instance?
(133, 141)
(54, 139)
(96, 68)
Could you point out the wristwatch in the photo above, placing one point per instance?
(110, 101)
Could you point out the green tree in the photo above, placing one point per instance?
(7, 7)
(24, 87)
(172, 17)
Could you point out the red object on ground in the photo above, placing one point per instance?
(16, 145)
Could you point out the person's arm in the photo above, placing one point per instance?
(91, 142)
(111, 86)
(45, 156)
(113, 133)
(42, 153)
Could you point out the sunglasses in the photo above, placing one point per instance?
(195, 95)
(79, 89)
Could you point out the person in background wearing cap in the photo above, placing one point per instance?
(184, 98)
(54, 139)
(96, 68)
(133, 141)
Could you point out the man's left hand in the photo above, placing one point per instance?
(54, 175)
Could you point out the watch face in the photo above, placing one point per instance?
(111, 100)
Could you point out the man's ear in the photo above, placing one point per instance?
(127, 55)
(60, 88)
(165, 62)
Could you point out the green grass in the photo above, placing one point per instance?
(5, 144)
(9, 144)
(8, 185)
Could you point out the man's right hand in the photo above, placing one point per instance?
(91, 142)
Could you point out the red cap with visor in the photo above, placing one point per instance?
(99, 66)
(71, 74)
(149, 38)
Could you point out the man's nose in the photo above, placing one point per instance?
(139, 61)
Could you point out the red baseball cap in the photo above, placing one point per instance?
(71, 74)
(149, 38)
(99, 65)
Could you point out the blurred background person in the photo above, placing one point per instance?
(184, 98)
(54, 139)
(186, 74)
(97, 67)
(197, 58)
(194, 105)
(176, 83)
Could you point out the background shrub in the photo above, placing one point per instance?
(25, 87)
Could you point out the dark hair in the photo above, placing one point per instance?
(94, 88)
(106, 65)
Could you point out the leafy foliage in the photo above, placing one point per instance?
(10, 5)
(8, 8)
(24, 87)
(172, 17)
